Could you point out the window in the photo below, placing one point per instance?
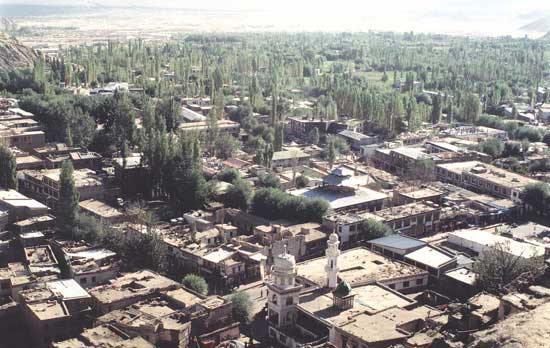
(419, 281)
(289, 300)
(83, 280)
(406, 284)
(93, 279)
(391, 286)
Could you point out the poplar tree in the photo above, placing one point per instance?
(67, 202)
(8, 166)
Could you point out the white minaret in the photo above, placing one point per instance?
(332, 254)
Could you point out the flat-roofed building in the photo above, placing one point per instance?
(44, 184)
(360, 199)
(201, 127)
(434, 260)
(356, 140)
(361, 266)
(15, 206)
(22, 138)
(130, 288)
(289, 157)
(41, 260)
(102, 211)
(413, 219)
(396, 245)
(55, 311)
(484, 178)
(36, 223)
(480, 241)
(104, 336)
(90, 266)
(79, 159)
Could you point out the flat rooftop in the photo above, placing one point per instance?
(339, 200)
(398, 241)
(370, 298)
(488, 172)
(48, 310)
(483, 238)
(358, 266)
(403, 211)
(421, 194)
(100, 208)
(431, 257)
(41, 255)
(380, 327)
(14, 199)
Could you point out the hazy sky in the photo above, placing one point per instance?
(485, 17)
(354, 7)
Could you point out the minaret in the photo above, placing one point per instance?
(283, 292)
(332, 254)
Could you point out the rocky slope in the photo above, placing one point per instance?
(522, 330)
(15, 55)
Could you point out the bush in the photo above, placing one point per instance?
(302, 181)
(195, 283)
(530, 133)
(242, 305)
(275, 204)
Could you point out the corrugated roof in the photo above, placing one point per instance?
(398, 241)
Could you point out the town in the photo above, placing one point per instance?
(189, 195)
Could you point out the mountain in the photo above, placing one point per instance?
(15, 55)
(545, 37)
(540, 25)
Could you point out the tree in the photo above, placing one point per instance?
(421, 169)
(8, 168)
(498, 266)
(372, 229)
(546, 138)
(67, 203)
(537, 196)
(472, 108)
(512, 149)
(436, 109)
(226, 145)
(530, 133)
(238, 195)
(331, 154)
(229, 175)
(242, 306)
(195, 283)
(492, 147)
(275, 204)
(313, 136)
(269, 180)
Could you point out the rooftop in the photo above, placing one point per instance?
(403, 211)
(488, 239)
(14, 199)
(369, 298)
(398, 241)
(338, 200)
(431, 257)
(100, 208)
(358, 266)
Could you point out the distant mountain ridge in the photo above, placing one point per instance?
(14, 55)
(540, 25)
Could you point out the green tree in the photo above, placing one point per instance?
(242, 306)
(331, 154)
(269, 180)
(8, 168)
(238, 195)
(372, 229)
(313, 136)
(226, 146)
(537, 196)
(493, 147)
(229, 175)
(195, 283)
(436, 109)
(472, 108)
(67, 203)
